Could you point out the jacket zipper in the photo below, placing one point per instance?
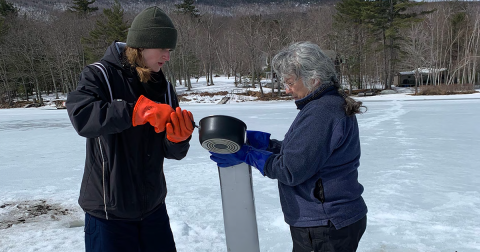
(144, 194)
(103, 178)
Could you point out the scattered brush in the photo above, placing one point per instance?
(446, 89)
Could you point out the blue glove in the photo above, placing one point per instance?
(258, 139)
(248, 154)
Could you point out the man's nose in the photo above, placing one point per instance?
(288, 90)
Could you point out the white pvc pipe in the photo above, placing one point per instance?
(238, 204)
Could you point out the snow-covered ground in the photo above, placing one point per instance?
(419, 167)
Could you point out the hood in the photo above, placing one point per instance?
(114, 54)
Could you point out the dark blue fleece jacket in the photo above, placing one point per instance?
(316, 165)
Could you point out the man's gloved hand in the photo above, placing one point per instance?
(247, 154)
(258, 139)
(181, 126)
(146, 110)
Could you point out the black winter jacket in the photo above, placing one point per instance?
(123, 177)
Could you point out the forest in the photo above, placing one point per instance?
(44, 45)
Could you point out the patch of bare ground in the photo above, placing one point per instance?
(355, 92)
(18, 104)
(12, 213)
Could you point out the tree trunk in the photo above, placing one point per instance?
(179, 77)
(73, 82)
(25, 87)
(189, 82)
(385, 60)
(416, 81)
(252, 72)
(211, 74)
(271, 79)
(54, 83)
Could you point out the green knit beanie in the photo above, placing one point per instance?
(152, 28)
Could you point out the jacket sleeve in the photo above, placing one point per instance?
(305, 149)
(176, 150)
(91, 110)
(274, 146)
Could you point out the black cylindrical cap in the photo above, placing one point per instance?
(222, 134)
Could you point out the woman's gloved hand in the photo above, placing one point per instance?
(181, 126)
(258, 139)
(248, 154)
(146, 110)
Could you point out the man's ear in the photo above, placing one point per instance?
(316, 82)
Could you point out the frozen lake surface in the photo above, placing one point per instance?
(419, 166)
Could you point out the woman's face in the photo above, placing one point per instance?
(295, 87)
(155, 58)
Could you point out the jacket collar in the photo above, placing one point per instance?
(316, 94)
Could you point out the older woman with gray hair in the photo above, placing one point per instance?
(316, 164)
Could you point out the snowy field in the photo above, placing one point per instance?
(419, 167)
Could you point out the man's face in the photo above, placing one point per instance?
(294, 86)
(155, 58)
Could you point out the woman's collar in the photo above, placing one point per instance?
(317, 93)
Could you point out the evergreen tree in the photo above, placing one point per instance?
(385, 19)
(186, 62)
(349, 22)
(83, 7)
(6, 9)
(187, 7)
(109, 28)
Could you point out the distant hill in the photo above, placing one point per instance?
(63, 4)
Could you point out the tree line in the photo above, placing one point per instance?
(370, 42)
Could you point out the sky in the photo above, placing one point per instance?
(419, 167)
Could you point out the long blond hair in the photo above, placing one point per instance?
(135, 59)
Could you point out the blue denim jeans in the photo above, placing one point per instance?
(150, 234)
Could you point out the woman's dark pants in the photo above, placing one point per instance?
(328, 238)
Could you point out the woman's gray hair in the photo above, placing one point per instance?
(305, 60)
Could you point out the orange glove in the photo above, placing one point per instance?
(157, 114)
(181, 127)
